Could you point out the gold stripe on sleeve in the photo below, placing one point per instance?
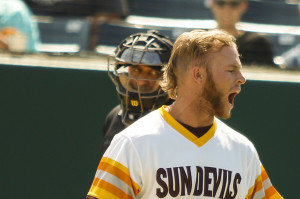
(101, 193)
(120, 171)
(250, 193)
(264, 174)
(270, 192)
(102, 189)
(115, 163)
(255, 188)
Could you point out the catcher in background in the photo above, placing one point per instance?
(136, 74)
(184, 150)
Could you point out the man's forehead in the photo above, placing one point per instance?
(236, 66)
(146, 68)
(228, 55)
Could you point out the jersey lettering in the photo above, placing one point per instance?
(208, 181)
(161, 193)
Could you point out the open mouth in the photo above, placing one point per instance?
(231, 97)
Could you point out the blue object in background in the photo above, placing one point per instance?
(15, 13)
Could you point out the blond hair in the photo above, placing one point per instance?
(192, 46)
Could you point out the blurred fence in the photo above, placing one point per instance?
(67, 32)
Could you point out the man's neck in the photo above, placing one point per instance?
(190, 115)
(231, 30)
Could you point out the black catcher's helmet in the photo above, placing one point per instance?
(152, 50)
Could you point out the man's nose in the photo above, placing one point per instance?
(241, 79)
(143, 82)
(143, 75)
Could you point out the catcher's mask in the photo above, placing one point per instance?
(137, 71)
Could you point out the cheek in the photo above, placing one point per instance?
(223, 84)
(237, 14)
(133, 82)
(216, 11)
(220, 77)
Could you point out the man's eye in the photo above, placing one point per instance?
(155, 73)
(135, 70)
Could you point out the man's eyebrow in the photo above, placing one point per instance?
(235, 66)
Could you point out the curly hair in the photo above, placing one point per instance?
(190, 47)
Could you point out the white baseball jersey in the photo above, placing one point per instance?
(156, 157)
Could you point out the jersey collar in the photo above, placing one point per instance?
(186, 133)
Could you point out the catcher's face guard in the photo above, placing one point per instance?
(138, 90)
(136, 71)
(138, 78)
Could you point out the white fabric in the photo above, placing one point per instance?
(154, 152)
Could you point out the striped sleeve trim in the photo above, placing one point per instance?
(105, 190)
(263, 189)
(120, 171)
(255, 188)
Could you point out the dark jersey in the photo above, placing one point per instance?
(255, 49)
(112, 125)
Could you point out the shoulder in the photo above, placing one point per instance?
(234, 138)
(146, 126)
(140, 131)
(113, 121)
(114, 112)
(239, 145)
(252, 37)
(112, 115)
(140, 137)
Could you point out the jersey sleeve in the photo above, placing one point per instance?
(259, 182)
(263, 188)
(118, 173)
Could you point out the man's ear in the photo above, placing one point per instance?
(198, 74)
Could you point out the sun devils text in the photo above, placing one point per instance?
(209, 182)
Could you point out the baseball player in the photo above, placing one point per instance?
(184, 150)
(137, 66)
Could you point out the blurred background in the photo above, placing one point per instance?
(55, 92)
(97, 26)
